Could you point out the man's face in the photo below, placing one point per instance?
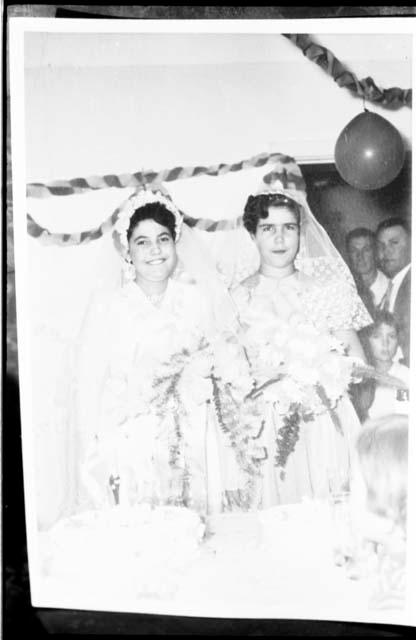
(393, 249)
(361, 252)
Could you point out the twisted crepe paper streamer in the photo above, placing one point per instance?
(289, 173)
(71, 239)
(393, 98)
(126, 180)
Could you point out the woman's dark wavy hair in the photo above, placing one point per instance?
(257, 208)
(153, 211)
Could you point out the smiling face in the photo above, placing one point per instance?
(277, 239)
(362, 255)
(384, 343)
(152, 251)
(393, 249)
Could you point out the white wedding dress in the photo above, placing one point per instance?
(144, 391)
(323, 452)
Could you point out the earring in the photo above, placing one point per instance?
(129, 272)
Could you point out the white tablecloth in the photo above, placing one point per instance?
(273, 563)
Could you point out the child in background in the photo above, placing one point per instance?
(378, 399)
(382, 449)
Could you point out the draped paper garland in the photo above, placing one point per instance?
(393, 98)
(284, 166)
(128, 180)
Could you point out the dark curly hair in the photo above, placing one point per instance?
(153, 211)
(257, 207)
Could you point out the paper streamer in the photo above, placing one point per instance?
(284, 166)
(81, 185)
(393, 98)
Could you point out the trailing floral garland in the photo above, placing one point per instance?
(168, 399)
(288, 435)
(299, 371)
(238, 420)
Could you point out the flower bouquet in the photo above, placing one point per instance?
(300, 371)
(215, 372)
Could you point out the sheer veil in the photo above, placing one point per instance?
(237, 256)
(71, 288)
(195, 266)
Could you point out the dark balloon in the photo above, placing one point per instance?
(369, 152)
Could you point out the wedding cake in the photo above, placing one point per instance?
(138, 550)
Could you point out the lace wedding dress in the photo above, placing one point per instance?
(323, 451)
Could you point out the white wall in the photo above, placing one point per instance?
(103, 103)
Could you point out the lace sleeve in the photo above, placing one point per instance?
(347, 310)
(333, 294)
(336, 306)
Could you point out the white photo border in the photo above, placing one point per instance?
(18, 27)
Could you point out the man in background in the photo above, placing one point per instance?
(393, 242)
(371, 282)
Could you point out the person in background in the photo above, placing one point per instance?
(371, 282)
(371, 285)
(381, 345)
(393, 241)
(382, 451)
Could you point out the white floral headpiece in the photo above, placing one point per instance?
(136, 201)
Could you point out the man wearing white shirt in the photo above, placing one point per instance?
(371, 282)
(393, 238)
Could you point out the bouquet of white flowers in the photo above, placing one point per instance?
(300, 371)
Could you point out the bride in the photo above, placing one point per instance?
(302, 285)
(147, 427)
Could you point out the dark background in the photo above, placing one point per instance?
(332, 202)
(340, 208)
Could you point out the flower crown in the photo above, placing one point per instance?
(137, 201)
